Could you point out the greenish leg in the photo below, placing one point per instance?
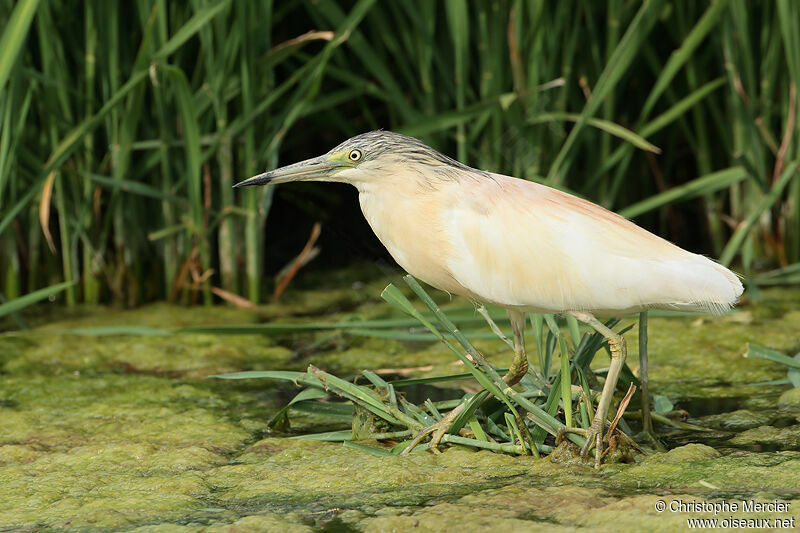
(519, 366)
(619, 351)
(647, 421)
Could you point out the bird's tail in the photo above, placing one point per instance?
(705, 285)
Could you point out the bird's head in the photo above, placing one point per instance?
(363, 158)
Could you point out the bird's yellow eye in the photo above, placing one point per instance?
(354, 155)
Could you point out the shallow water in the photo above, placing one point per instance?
(126, 432)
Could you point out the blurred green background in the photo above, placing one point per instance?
(123, 126)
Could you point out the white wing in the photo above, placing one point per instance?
(518, 243)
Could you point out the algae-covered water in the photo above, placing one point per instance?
(127, 432)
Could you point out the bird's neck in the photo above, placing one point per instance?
(407, 220)
(386, 204)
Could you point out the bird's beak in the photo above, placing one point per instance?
(314, 169)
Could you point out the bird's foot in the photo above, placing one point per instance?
(438, 429)
(419, 437)
(594, 439)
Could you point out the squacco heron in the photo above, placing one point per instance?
(516, 244)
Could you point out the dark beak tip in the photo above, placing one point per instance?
(256, 180)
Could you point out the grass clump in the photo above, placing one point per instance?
(523, 420)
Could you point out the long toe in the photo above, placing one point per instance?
(588, 445)
(598, 451)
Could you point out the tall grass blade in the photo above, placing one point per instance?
(618, 64)
(21, 302)
(14, 35)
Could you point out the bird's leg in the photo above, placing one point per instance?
(647, 421)
(594, 435)
(519, 366)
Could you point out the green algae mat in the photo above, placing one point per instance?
(108, 423)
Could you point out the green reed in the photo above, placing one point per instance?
(122, 126)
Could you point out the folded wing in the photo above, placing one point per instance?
(518, 243)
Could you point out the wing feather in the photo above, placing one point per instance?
(518, 243)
